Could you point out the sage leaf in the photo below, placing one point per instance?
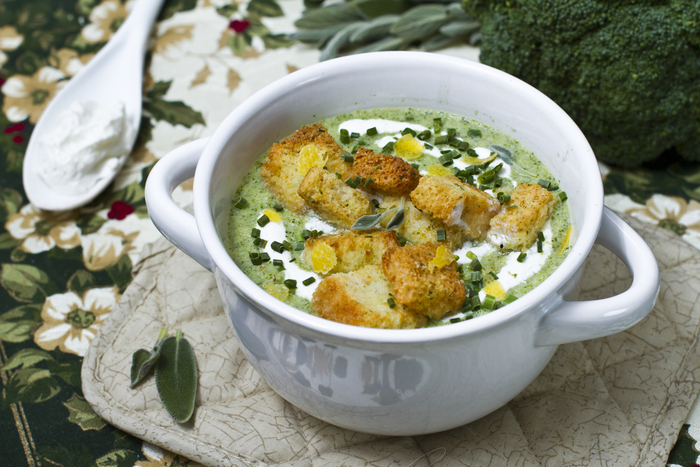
(378, 28)
(420, 22)
(318, 35)
(507, 156)
(176, 377)
(143, 360)
(437, 42)
(459, 28)
(369, 221)
(398, 218)
(328, 15)
(377, 8)
(388, 43)
(341, 39)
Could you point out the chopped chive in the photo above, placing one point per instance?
(562, 196)
(472, 133)
(338, 176)
(263, 221)
(544, 183)
(309, 281)
(455, 320)
(442, 139)
(464, 145)
(473, 288)
(521, 257)
(441, 235)
(437, 124)
(344, 136)
(299, 246)
(352, 182)
(255, 258)
(540, 236)
(391, 302)
(277, 246)
(553, 187)
(475, 302)
(425, 134)
(372, 131)
(428, 146)
(476, 276)
(278, 207)
(287, 245)
(455, 142)
(489, 302)
(264, 257)
(305, 234)
(446, 160)
(367, 182)
(451, 133)
(407, 131)
(347, 157)
(255, 233)
(257, 241)
(539, 246)
(278, 262)
(415, 166)
(475, 265)
(290, 283)
(472, 153)
(354, 135)
(375, 203)
(493, 274)
(240, 202)
(471, 255)
(510, 299)
(512, 206)
(502, 197)
(388, 147)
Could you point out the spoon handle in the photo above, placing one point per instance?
(136, 29)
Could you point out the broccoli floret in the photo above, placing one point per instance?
(627, 72)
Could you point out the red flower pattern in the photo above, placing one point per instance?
(238, 25)
(119, 210)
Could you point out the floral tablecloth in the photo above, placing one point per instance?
(62, 273)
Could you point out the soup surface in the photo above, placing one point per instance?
(398, 218)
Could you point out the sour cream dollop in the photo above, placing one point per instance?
(87, 145)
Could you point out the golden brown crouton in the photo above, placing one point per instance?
(389, 175)
(419, 286)
(352, 250)
(360, 298)
(419, 227)
(456, 204)
(332, 199)
(516, 228)
(281, 171)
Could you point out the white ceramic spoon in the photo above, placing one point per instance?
(115, 73)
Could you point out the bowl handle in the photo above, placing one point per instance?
(176, 224)
(577, 321)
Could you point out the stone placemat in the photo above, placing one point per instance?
(615, 401)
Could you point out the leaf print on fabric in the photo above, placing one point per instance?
(18, 324)
(31, 385)
(82, 414)
(201, 76)
(172, 37)
(71, 320)
(233, 79)
(42, 230)
(27, 96)
(105, 19)
(26, 283)
(10, 40)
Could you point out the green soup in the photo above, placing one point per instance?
(269, 253)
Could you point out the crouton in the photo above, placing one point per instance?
(282, 173)
(419, 227)
(361, 298)
(456, 204)
(389, 175)
(332, 199)
(352, 250)
(516, 228)
(418, 285)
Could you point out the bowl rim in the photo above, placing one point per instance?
(279, 310)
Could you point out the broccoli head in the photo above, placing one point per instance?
(627, 72)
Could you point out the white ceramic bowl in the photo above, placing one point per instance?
(402, 382)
